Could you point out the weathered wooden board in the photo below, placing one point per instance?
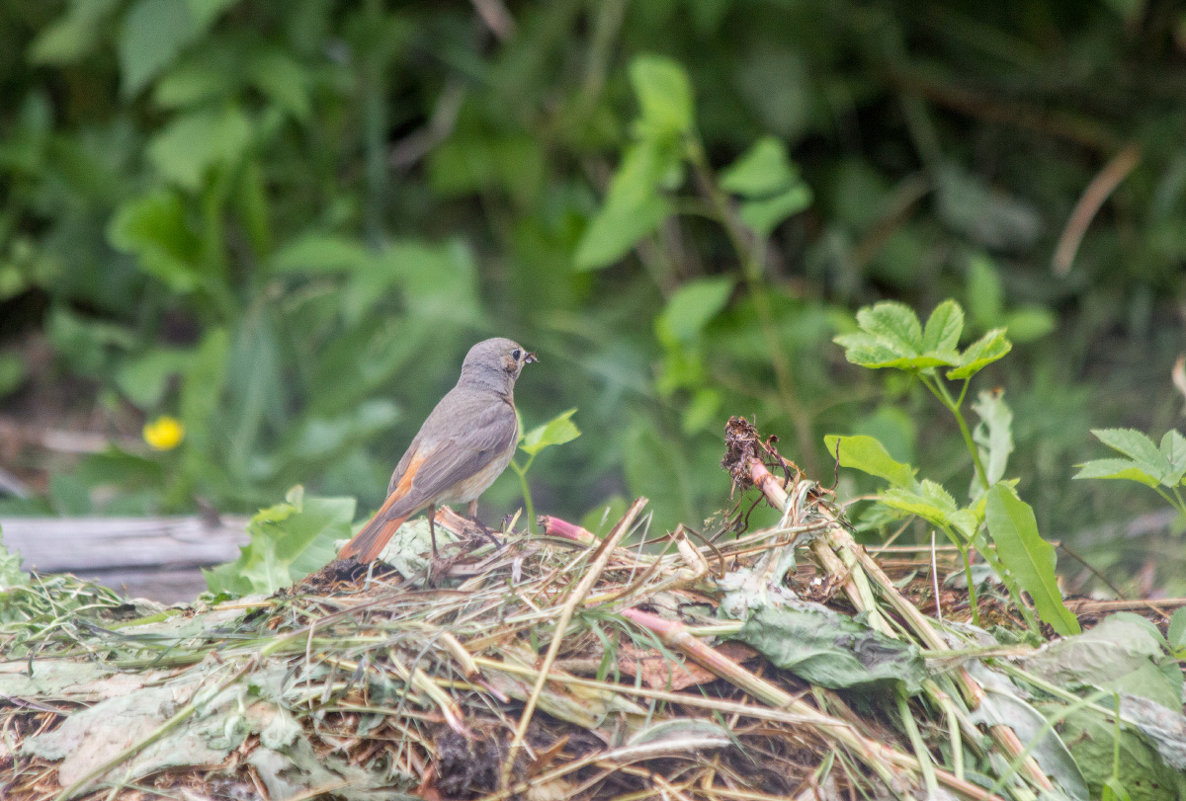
(158, 558)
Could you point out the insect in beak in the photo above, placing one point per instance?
(530, 358)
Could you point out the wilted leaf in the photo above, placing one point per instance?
(831, 650)
(994, 433)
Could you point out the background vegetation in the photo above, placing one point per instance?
(284, 222)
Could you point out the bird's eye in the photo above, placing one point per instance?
(516, 354)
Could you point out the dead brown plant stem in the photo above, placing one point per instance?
(600, 560)
(1100, 189)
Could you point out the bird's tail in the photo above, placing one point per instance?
(368, 543)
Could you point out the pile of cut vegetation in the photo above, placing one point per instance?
(564, 666)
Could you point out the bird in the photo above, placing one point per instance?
(462, 447)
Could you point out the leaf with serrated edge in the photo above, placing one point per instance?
(1173, 448)
(982, 352)
(895, 324)
(1115, 468)
(1028, 557)
(1138, 447)
(943, 329)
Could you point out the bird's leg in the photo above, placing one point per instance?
(471, 511)
(432, 529)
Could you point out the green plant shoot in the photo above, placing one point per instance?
(557, 431)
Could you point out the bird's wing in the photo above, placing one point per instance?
(482, 430)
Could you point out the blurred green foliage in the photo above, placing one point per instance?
(284, 222)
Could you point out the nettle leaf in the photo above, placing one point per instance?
(994, 433)
(691, 307)
(557, 431)
(868, 455)
(1029, 558)
(982, 352)
(664, 95)
(944, 326)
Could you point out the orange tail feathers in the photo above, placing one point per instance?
(368, 543)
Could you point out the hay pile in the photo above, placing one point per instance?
(564, 666)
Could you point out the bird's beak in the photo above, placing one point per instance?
(530, 358)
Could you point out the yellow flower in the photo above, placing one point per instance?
(164, 433)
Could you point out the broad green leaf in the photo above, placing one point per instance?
(869, 351)
(831, 650)
(870, 456)
(1133, 444)
(145, 378)
(633, 207)
(557, 431)
(982, 352)
(1028, 557)
(1176, 633)
(691, 307)
(943, 329)
(154, 228)
(763, 215)
(986, 295)
(74, 35)
(288, 541)
(994, 433)
(664, 96)
(323, 253)
(893, 323)
(1029, 323)
(196, 141)
(762, 171)
(1173, 450)
(1116, 468)
(282, 80)
(154, 33)
(930, 502)
(12, 373)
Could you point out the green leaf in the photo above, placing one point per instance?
(154, 34)
(194, 142)
(1133, 444)
(1173, 450)
(894, 324)
(691, 307)
(1028, 557)
(323, 253)
(1116, 468)
(831, 650)
(12, 373)
(1176, 633)
(633, 207)
(943, 329)
(288, 541)
(74, 35)
(982, 352)
(870, 456)
(664, 95)
(986, 295)
(144, 379)
(763, 215)
(153, 227)
(994, 433)
(557, 431)
(762, 171)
